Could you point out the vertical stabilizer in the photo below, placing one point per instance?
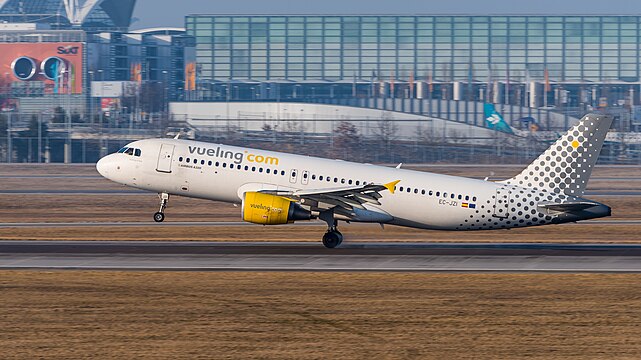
(566, 166)
(494, 120)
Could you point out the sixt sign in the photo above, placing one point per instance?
(68, 50)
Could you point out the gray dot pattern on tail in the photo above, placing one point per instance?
(518, 207)
(566, 166)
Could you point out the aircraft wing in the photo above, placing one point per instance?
(347, 198)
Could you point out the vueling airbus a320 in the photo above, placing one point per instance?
(276, 188)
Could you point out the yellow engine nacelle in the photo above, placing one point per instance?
(266, 209)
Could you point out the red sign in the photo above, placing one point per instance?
(58, 65)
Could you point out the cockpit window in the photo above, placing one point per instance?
(123, 150)
(137, 152)
(130, 151)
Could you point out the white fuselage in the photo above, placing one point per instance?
(421, 200)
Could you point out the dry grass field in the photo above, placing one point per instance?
(222, 315)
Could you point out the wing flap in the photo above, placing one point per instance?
(347, 198)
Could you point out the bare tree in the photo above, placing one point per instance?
(346, 141)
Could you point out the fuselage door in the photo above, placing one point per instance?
(305, 179)
(502, 203)
(164, 158)
(293, 176)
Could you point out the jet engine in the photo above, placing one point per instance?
(267, 209)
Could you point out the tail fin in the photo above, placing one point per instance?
(494, 120)
(566, 166)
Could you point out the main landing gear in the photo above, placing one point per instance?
(332, 237)
(160, 215)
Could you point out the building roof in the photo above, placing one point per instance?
(100, 14)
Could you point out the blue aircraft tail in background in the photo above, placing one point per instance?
(494, 120)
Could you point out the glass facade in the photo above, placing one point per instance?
(570, 49)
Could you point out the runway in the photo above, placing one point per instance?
(102, 224)
(296, 256)
(127, 192)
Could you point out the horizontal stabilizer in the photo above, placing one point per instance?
(571, 206)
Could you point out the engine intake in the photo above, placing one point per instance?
(266, 209)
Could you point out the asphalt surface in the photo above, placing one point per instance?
(265, 256)
(101, 224)
(126, 192)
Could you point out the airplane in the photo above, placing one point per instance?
(275, 188)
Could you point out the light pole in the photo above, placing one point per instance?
(91, 97)
(165, 104)
(9, 142)
(39, 138)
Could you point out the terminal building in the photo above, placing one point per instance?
(564, 64)
(427, 74)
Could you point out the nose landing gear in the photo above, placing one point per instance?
(160, 215)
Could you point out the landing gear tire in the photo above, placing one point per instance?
(159, 217)
(332, 239)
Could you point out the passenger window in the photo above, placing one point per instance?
(415, 191)
(188, 160)
(246, 167)
(444, 194)
(467, 197)
(195, 161)
(217, 164)
(350, 182)
(452, 196)
(358, 182)
(320, 178)
(342, 181)
(401, 188)
(209, 163)
(423, 192)
(460, 197)
(267, 171)
(202, 162)
(260, 170)
(431, 192)
(224, 165)
(282, 172)
(253, 168)
(313, 177)
(438, 193)
(180, 159)
(409, 190)
(474, 198)
(335, 180)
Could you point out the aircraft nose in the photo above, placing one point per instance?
(107, 166)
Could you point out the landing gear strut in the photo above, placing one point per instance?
(332, 237)
(160, 215)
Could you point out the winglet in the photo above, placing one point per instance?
(390, 186)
